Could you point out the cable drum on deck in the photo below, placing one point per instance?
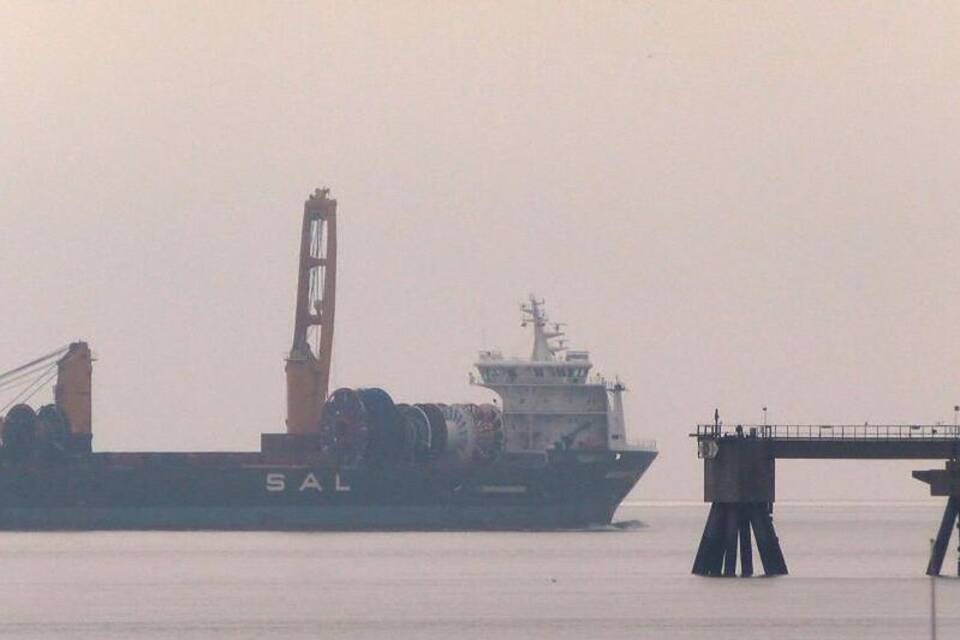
(53, 426)
(406, 436)
(438, 429)
(365, 425)
(344, 427)
(387, 431)
(460, 430)
(19, 432)
(474, 433)
(418, 430)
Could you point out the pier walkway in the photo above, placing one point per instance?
(740, 480)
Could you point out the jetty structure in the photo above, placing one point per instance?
(739, 482)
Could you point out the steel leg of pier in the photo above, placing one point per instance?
(767, 543)
(732, 528)
(710, 550)
(777, 552)
(727, 525)
(746, 548)
(761, 535)
(699, 563)
(715, 559)
(943, 537)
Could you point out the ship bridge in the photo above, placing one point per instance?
(496, 370)
(550, 400)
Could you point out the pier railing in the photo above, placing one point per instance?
(869, 432)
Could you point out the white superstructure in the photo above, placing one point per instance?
(551, 401)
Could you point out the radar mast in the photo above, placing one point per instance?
(544, 347)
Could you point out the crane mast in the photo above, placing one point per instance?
(308, 366)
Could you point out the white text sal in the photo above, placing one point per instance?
(277, 482)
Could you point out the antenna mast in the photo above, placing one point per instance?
(543, 349)
(308, 367)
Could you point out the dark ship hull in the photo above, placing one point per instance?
(245, 491)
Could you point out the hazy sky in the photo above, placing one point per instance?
(731, 204)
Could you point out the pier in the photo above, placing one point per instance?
(739, 465)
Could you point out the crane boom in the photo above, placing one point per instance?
(308, 366)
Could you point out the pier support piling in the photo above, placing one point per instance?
(728, 530)
(739, 484)
(710, 543)
(943, 482)
(768, 544)
(730, 541)
(943, 538)
(746, 548)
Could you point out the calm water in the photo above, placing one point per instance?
(856, 573)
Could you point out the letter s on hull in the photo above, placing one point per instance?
(276, 482)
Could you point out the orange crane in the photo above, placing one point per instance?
(308, 366)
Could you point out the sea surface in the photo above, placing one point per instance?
(856, 572)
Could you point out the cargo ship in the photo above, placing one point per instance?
(549, 451)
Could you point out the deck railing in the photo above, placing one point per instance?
(831, 431)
